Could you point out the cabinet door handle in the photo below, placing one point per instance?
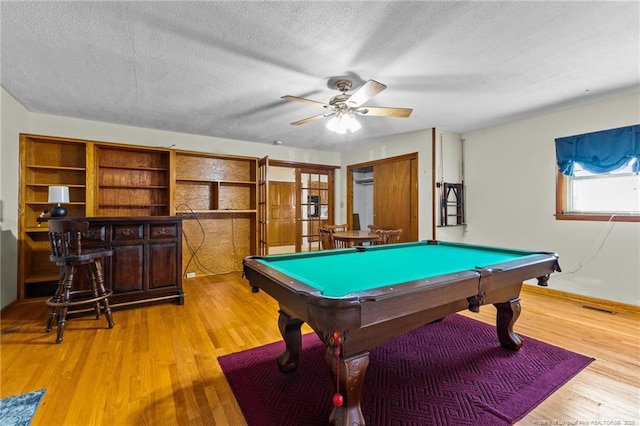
(126, 232)
(162, 231)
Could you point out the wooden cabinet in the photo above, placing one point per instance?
(146, 265)
(214, 194)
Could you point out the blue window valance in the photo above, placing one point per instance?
(600, 152)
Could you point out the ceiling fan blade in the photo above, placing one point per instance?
(305, 101)
(310, 119)
(364, 93)
(385, 111)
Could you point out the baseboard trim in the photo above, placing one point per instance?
(594, 301)
(607, 305)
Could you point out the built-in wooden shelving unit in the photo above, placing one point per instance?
(214, 194)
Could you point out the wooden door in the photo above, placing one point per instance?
(392, 196)
(282, 214)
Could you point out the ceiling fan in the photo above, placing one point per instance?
(344, 107)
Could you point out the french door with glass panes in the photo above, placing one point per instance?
(314, 208)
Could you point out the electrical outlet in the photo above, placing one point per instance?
(191, 274)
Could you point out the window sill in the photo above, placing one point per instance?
(598, 217)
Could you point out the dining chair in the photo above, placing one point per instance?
(326, 239)
(337, 228)
(388, 236)
(340, 243)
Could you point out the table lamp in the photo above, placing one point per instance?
(58, 195)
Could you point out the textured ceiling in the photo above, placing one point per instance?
(220, 68)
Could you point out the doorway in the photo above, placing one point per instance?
(384, 193)
(315, 206)
(296, 200)
(282, 207)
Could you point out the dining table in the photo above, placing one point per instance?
(356, 238)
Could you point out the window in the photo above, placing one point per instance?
(598, 175)
(614, 192)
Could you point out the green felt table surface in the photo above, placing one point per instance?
(337, 273)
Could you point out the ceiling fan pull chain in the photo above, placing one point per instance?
(335, 340)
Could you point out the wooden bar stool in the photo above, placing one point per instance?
(66, 252)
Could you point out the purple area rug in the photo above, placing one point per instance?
(449, 373)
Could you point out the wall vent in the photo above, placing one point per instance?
(595, 308)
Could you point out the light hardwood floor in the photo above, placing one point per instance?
(158, 366)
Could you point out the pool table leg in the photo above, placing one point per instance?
(351, 379)
(290, 331)
(508, 313)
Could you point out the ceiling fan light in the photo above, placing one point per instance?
(333, 123)
(354, 125)
(341, 123)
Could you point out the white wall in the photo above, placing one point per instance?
(13, 118)
(510, 173)
(407, 143)
(281, 174)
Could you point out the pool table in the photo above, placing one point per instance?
(358, 298)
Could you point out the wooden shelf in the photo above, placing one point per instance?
(136, 187)
(133, 206)
(48, 162)
(209, 167)
(186, 212)
(45, 185)
(221, 192)
(34, 279)
(220, 182)
(125, 167)
(54, 153)
(35, 166)
(45, 203)
(214, 195)
(131, 180)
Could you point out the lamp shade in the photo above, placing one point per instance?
(58, 194)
